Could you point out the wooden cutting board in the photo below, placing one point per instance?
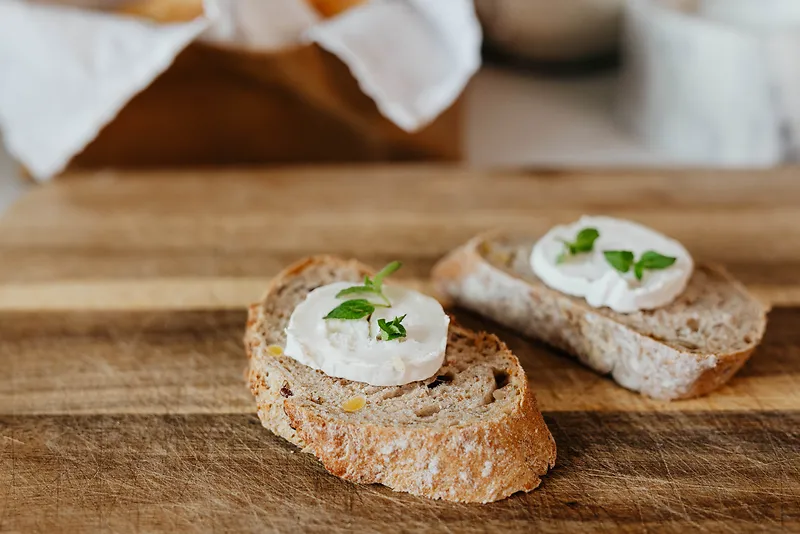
(122, 400)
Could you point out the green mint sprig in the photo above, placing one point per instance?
(393, 329)
(359, 308)
(584, 242)
(623, 260)
(353, 309)
(374, 286)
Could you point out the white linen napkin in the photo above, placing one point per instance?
(66, 72)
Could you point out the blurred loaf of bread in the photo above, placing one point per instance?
(167, 11)
(182, 10)
(331, 8)
(164, 11)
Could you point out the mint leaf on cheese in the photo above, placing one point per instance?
(623, 260)
(584, 242)
(373, 286)
(352, 309)
(359, 308)
(651, 260)
(620, 260)
(392, 329)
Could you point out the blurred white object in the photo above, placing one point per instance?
(258, 24)
(714, 81)
(545, 30)
(413, 57)
(67, 72)
(766, 15)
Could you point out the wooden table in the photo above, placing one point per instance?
(122, 401)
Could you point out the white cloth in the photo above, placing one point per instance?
(412, 57)
(716, 83)
(66, 72)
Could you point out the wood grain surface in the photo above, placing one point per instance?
(122, 401)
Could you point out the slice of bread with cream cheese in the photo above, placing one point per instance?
(622, 298)
(376, 382)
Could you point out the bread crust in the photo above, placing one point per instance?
(475, 463)
(479, 461)
(635, 360)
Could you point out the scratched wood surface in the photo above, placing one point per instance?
(122, 400)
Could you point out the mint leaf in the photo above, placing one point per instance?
(377, 282)
(638, 270)
(392, 329)
(652, 260)
(375, 285)
(351, 309)
(355, 289)
(584, 242)
(620, 260)
(364, 289)
(358, 308)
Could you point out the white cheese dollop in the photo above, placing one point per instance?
(351, 348)
(589, 275)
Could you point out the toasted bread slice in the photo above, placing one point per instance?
(685, 349)
(471, 433)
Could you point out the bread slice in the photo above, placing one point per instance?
(685, 349)
(472, 433)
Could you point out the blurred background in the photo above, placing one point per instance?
(97, 84)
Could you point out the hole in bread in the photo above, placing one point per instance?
(427, 411)
(441, 379)
(693, 324)
(748, 339)
(457, 336)
(499, 394)
(500, 378)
